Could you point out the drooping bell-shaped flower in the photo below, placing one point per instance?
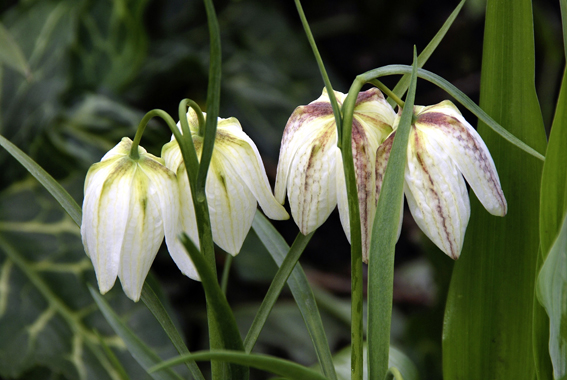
(310, 167)
(129, 205)
(442, 148)
(236, 183)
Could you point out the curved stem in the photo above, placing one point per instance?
(393, 374)
(140, 131)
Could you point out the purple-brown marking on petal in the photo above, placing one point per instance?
(431, 189)
(382, 156)
(369, 95)
(456, 130)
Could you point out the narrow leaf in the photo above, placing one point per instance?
(489, 313)
(156, 307)
(552, 293)
(383, 242)
(275, 289)
(404, 81)
(11, 54)
(142, 353)
(58, 192)
(217, 303)
(281, 367)
(301, 291)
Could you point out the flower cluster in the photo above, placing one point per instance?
(442, 146)
(130, 204)
(133, 201)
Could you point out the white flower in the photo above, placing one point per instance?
(128, 207)
(441, 146)
(310, 166)
(236, 183)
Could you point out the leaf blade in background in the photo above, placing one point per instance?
(488, 319)
(142, 353)
(11, 54)
(552, 293)
(302, 293)
(553, 206)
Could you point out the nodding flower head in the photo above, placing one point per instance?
(310, 167)
(236, 183)
(443, 147)
(129, 205)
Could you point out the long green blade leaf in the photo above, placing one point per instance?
(553, 206)
(54, 188)
(552, 293)
(11, 54)
(156, 307)
(404, 81)
(278, 366)
(301, 291)
(142, 353)
(489, 313)
(216, 301)
(383, 242)
(275, 289)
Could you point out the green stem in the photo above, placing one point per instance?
(388, 92)
(393, 374)
(139, 132)
(226, 273)
(357, 296)
(328, 86)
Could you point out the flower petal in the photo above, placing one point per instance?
(242, 159)
(444, 123)
(143, 234)
(436, 193)
(231, 206)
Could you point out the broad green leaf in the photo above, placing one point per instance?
(404, 81)
(489, 312)
(11, 54)
(553, 206)
(383, 241)
(47, 315)
(275, 289)
(156, 307)
(272, 364)
(141, 352)
(218, 306)
(552, 293)
(299, 286)
(397, 359)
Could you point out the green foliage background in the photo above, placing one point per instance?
(81, 76)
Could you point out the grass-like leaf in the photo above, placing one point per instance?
(553, 208)
(383, 242)
(54, 188)
(275, 289)
(301, 291)
(145, 356)
(156, 307)
(404, 81)
(489, 313)
(281, 367)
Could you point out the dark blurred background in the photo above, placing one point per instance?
(98, 66)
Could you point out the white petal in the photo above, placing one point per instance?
(444, 123)
(143, 235)
(239, 153)
(105, 217)
(231, 206)
(436, 193)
